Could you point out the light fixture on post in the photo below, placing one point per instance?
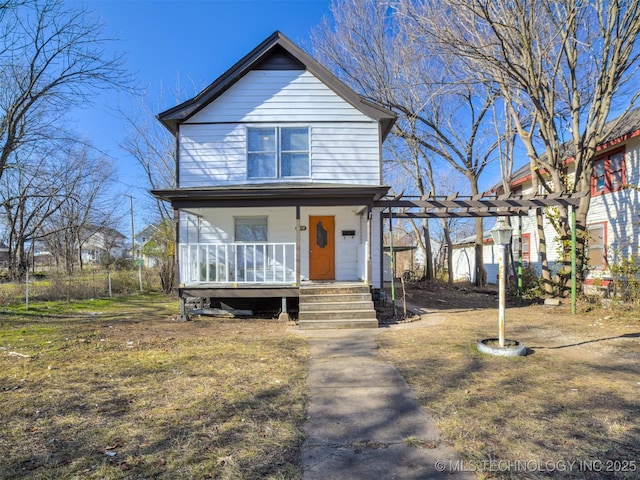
(501, 234)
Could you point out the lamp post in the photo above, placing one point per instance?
(501, 234)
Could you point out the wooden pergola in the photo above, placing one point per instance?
(484, 205)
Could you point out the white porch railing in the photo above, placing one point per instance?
(237, 263)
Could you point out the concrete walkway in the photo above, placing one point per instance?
(363, 419)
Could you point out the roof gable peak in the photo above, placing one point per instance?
(276, 52)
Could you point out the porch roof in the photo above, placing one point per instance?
(272, 195)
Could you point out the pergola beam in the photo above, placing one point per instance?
(477, 206)
(450, 214)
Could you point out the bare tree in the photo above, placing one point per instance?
(438, 109)
(55, 195)
(86, 210)
(153, 148)
(30, 195)
(52, 59)
(559, 66)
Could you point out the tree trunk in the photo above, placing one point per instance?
(447, 239)
(581, 235)
(481, 272)
(427, 252)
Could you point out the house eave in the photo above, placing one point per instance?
(272, 195)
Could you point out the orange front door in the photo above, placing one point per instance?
(322, 252)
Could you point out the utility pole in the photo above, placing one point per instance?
(132, 232)
(133, 254)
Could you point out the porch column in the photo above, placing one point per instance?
(176, 251)
(182, 315)
(381, 259)
(369, 259)
(298, 246)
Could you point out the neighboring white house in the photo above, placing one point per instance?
(141, 239)
(4, 255)
(103, 243)
(613, 220)
(278, 168)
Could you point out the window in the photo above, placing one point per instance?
(526, 249)
(608, 173)
(251, 229)
(596, 241)
(278, 152)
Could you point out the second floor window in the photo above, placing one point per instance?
(608, 173)
(278, 152)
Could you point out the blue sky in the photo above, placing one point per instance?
(186, 42)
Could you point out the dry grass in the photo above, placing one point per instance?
(575, 397)
(118, 389)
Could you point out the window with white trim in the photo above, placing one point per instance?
(277, 152)
(250, 229)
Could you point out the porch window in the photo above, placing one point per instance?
(277, 152)
(608, 173)
(252, 256)
(596, 242)
(251, 229)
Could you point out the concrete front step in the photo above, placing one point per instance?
(336, 305)
(336, 298)
(337, 323)
(322, 307)
(344, 314)
(334, 289)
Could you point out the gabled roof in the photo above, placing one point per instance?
(148, 230)
(103, 230)
(627, 126)
(276, 52)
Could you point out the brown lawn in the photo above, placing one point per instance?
(574, 398)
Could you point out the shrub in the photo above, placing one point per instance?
(531, 286)
(626, 277)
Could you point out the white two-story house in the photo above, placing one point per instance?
(278, 168)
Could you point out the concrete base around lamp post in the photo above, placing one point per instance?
(512, 348)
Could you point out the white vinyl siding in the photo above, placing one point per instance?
(344, 143)
(619, 209)
(278, 96)
(212, 155)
